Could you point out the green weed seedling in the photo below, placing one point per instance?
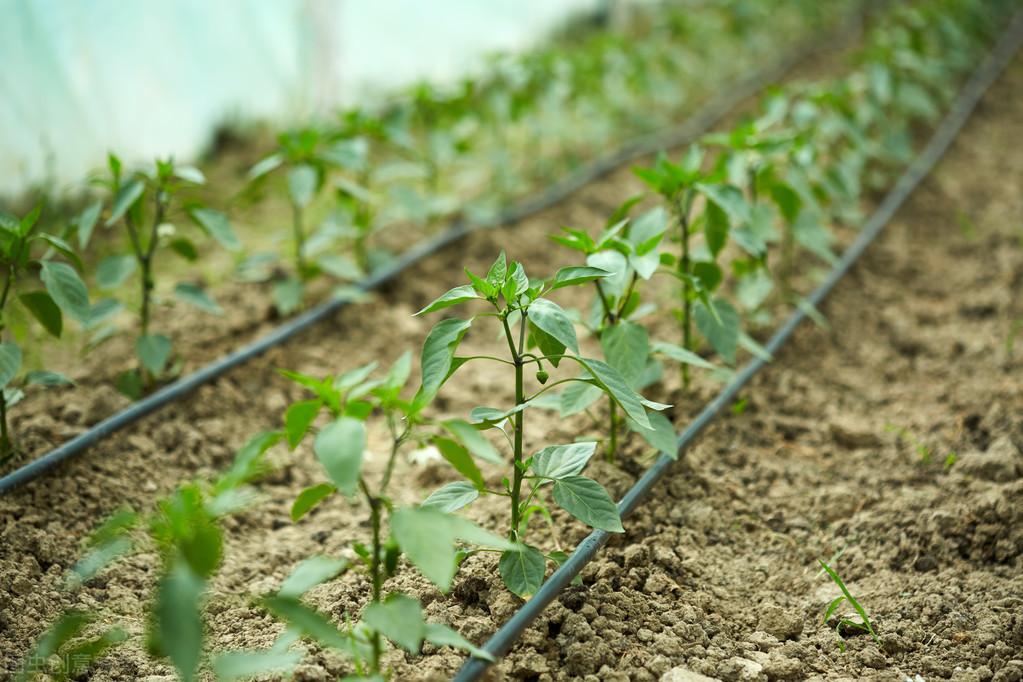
(63, 292)
(146, 203)
(315, 161)
(627, 249)
(425, 535)
(844, 623)
(539, 333)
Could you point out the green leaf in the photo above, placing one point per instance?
(96, 560)
(47, 378)
(126, 197)
(729, 199)
(83, 655)
(570, 276)
(626, 347)
(10, 362)
(586, 500)
(578, 396)
(498, 271)
(461, 294)
(611, 382)
(442, 635)
(190, 174)
(60, 633)
(549, 346)
(196, 296)
(67, 289)
(472, 439)
(427, 537)
(154, 351)
(303, 181)
(308, 621)
(549, 317)
(237, 665)
(523, 570)
(662, 436)
(679, 354)
(479, 285)
(400, 619)
(265, 166)
(310, 573)
(723, 332)
(309, 498)
(217, 225)
(184, 248)
(709, 274)
(559, 461)
(177, 622)
(438, 352)
(287, 295)
(339, 447)
(86, 223)
(452, 496)
(112, 271)
(461, 460)
(63, 247)
(298, 418)
(43, 308)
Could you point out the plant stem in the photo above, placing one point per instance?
(376, 575)
(6, 446)
(516, 490)
(612, 445)
(682, 209)
(298, 234)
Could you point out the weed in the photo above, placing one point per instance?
(844, 623)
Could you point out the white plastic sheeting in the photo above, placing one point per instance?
(151, 77)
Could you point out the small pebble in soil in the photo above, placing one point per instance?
(685, 675)
(780, 623)
(870, 657)
(781, 667)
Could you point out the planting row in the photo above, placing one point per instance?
(428, 156)
(741, 215)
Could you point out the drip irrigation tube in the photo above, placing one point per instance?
(705, 118)
(981, 80)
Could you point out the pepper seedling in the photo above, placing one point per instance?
(63, 293)
(537, 332)
(314, 161)
(425, 535)
(628, 249)
(146, 203)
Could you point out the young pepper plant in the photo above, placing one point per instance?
(186, 529)
(63, 293)
(726, 215)
(427, 536)
(312, 160)
(628, 249)
(537, 332)
(145, 203)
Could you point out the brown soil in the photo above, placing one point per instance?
(717, 573)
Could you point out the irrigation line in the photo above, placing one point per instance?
(690, 129)
(981, 80)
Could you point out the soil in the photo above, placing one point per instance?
(841, 453)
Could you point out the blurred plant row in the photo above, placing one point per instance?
(423, 158)
(741, 216)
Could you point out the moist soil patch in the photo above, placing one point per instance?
(890, 443)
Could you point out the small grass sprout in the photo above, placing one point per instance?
(864, 625)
